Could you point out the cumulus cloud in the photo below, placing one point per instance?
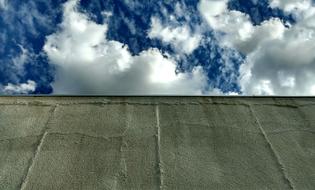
(280, 60)
(180, 37)
(87, 63)
(23, 88)
(235, 28)
(291, 5)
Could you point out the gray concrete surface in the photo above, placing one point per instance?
(157, 143)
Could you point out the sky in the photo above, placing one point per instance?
(155, 47)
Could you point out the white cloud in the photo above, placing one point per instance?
(221, 19)
(21, 59)
(212, 8)
(23, 88)
(87, 63)
(180, 37)
(288, 63)
(3, 4)
(280, 60)
(238, 31)
(291, 5)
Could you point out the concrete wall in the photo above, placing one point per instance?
(157, 143)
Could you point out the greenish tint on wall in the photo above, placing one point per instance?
(157, 143)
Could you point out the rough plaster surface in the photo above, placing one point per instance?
(157, 143)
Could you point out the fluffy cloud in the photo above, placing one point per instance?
(88, 63)
(180, 37)
(23, 88)
(291, 5)
(235, 28)
(280, 60)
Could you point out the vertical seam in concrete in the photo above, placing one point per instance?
(158, 147)
(273, 150)
(123, 165)
(38, 149)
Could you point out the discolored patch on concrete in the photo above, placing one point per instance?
(157, 143)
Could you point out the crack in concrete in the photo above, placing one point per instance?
(128, 119)
(158, 148)
(189, 124)
(38, 149)
(294, 106)
(291, 130)
(27, 104)
(100, 103)
(60, 133)
(273, 150)
(307, 105)
(107, 138)
(32, 163)
(121, 174)
(123, 170)
(130, 103)
(22, 137)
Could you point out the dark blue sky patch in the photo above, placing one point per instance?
(222, 64)
(39, 70)
(26, 24)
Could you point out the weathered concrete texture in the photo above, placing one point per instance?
(216, 146)
(20, 131)
(291, 131)
(157, 143)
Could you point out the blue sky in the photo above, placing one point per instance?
(184, 47)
